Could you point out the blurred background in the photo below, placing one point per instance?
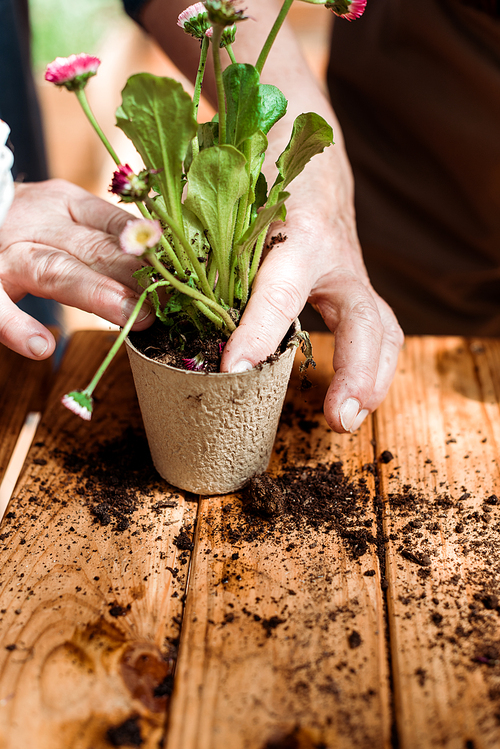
(101, 27)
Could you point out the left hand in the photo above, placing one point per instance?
(321, 262)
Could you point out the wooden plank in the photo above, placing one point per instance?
(89, 611)
(23, 387)
(283, 639)
(441, 422)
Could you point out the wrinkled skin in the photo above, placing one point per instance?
(60, 242)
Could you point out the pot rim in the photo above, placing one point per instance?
(292, 344)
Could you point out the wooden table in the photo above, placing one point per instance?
(275, 645)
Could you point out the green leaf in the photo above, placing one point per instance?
(311, 134)
(273, 105)
(262, 222)
(195, 233)
(144, 275)
(260, 194)
(157, 115)
(242, 89)
(258, 147)
(256, 152)
(217, 180)
(208, 134)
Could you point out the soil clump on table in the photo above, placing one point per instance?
(315, 499)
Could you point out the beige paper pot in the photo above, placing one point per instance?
(210, 433)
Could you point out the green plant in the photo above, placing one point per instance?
(206, 204)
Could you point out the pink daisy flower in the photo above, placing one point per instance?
(140, 235)
(79, 403)
(195, 364)
(72, 72)
(348, 9)
(194, 20)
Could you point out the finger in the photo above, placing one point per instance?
(99, 251)
(279, 293)
(89, 210)
(22, 333)
(392, 342)
(366, 349)
(65, 279)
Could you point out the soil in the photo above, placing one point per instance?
(156, 343)
(113, 486)
(321, 499)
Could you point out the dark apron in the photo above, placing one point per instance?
(416, 87)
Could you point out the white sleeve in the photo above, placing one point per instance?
(6, 181)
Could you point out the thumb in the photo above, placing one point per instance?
(279, 294)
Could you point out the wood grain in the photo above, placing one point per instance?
(23, 388)
(441, 421)
(89, 613)
(244, 680)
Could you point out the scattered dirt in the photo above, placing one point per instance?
(112, 485)
(320, 499)
(276, 239)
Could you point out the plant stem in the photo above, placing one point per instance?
(245, 199)
(191, 256)
(193, 293)
(259, 246)
(229, 50)
(80, 95)
(199, 75)
(208, 313)
(232, 281)
(261, 61)
(164, 243)
(195, 146)
(221, 99)
(123, 334)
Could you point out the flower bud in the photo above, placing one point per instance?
(196, 364)
(223, 12)
(228, 35)
(129, 186)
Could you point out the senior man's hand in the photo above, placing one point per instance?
(321, 261)
(60, 242)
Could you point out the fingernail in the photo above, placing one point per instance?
(359, 419)
(37, 345)
(348, 412)
(241, 366)
(128, 306)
